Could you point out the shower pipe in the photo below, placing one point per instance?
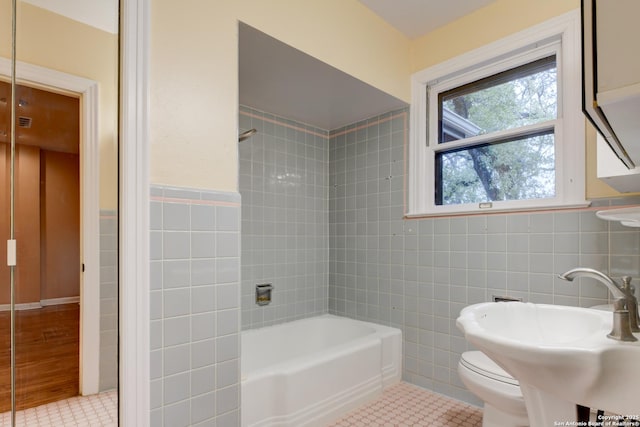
(247, 134)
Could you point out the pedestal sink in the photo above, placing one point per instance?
(560, 355)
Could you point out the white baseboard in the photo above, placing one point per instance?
(58, 301)
(43, 303)
(23, 306)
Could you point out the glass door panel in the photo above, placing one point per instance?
(5, 315)
(66, 195)
(6, 56)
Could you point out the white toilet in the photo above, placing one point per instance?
(503, 402)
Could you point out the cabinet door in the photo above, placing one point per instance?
(611, 72)
(617, 36)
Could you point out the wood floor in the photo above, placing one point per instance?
(47, 355)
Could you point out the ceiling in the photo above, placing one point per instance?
(415, 18)
(279, 79)
(282, 80)
(102, 14)
(54, 128)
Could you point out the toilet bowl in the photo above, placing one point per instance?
(503, 402)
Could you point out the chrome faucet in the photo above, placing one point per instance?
(625, 304)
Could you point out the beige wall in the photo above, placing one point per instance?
(53, 41)
(495, 21)
(194, 83)
(194, 73)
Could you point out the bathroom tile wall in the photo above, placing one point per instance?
(195, 307)
(284, 187)
(418, 274)
(108, 300)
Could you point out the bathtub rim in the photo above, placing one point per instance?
(298, 363)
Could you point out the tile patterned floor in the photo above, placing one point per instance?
(406, 405)
(403, 405)
(98, 410)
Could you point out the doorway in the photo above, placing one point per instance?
(47, 225)
(50, 45)
(98, 368)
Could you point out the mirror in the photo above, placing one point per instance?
(66, 206)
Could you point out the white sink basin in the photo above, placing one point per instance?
(560, 355)
(528, 323)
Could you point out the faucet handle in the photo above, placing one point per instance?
(627, 286)
(619, 304)
(621, 330)
(631, 304)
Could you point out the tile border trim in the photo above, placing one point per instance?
(169, 194)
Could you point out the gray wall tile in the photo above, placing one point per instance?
(108, 369)
(203, 299)
(203, 379)
(284, 185)
(177, 415)
(203, 353)
(155, 362)
(184, 304)
(203, 218)
(177, 302)
(322, 221)
(203, 245)
(203, 326)
(176, 360)
(227, 399)
(175, 216)
(176, 245)
(451, 262)
(176, 331)
(227, 219)
(155, 216)
(227, 373)
(176, 388)
(226, 296)
(227, 322)
(175, 274)
(227, 348)
(203, 407)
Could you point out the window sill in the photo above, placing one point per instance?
(548, 207)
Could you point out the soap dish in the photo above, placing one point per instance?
(627, 216)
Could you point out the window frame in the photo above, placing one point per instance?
(559, 36)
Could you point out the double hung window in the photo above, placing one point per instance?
(500, 128)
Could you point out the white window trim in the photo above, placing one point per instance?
(570, 150)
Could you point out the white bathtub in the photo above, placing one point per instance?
(311, 371)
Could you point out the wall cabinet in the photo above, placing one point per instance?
(611, 71)
(612, 171)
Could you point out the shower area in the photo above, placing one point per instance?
(285, 224)
(310, 135)
(58, 199)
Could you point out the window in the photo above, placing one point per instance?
(504, 127)
(511, 116)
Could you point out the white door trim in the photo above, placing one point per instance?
(89, 207)
(134, 382)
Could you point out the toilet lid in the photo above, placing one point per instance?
(480, 363)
